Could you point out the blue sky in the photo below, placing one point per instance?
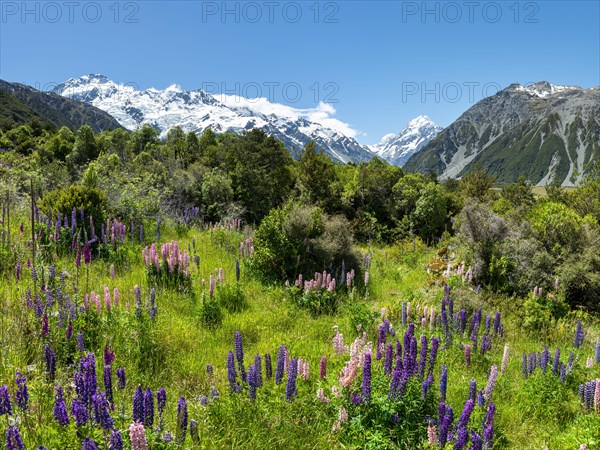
(378, 64)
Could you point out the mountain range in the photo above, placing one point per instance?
(542, 131)
(20, 103)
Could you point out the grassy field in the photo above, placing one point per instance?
(174, 349)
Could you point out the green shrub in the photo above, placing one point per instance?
(92, 200)
(557, 226)
(231, 297)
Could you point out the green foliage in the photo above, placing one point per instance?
(316, 176)
(430, 212)
(579, 280)
(477, 184)
(519, 193)
(231, 297)
(211, 313)
(360, 316)
(557, 226)
(92, 200)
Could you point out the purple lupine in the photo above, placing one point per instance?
(88, 367)
(69, 332)
(60, 408)
(280, 364)
(13, 439)
(182, 419)
(466, 414)
(441, 412)
(18, 271)
(22, 392)
(231, 372)
(462, 320)
(389, 359)
(50, 358)
(258, 371)
(524, 369)
(121, 377)
(79, 411)
(109, 354)
(108, 386)
(5, 404)
(80, 345)
(290, 389)
(89, 444)
(87, 254)
(488, 321)
(462, 437)
(366, 382)
(476, 441)
(323, 368)
(467, 353)
(210, 370)
(116, 440)
(435, 343)
(237, 270)
(571, 361)
(268, 366)
(579, 335)
(138, 405)
(252, 382)
(423, 356)
(480, 399)
(486, 343)
(445, 426)
(101, 411)
(597, 354)
(472, 389)
(562, 372)
(426, 385)
(148, 408)
(545, 359)
(239, 353)
(556, 362)
(161, 401)
(194, 434)
(443, 382)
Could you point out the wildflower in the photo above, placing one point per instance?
(138, 405)
(466, 414)
(443, 382)
(239, 353)
(5, 404)
(489, 388)
(435, 342)
(79, 411)
(321, 396)
(60, 409)
(366, 383)
(323, 368)
(101, 411)
(290, 389)
(108, 388)
(342, 418)
(116, 440)
(462, 436)
(432, 437)
(13, 439)
(280, 364)
(268, 366)
(426, 385)
(80, 345)
(182, 419)
(194, 432)
(231, 372)
(22, 393)
(137, 435)
(121, 377)
(148, 408)
(476, 441)
(258, 371)
(445, 425)
(252, 382)
(161, 400)
(50, 358)
(556, 362)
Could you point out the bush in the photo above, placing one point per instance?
(231, 297)
(211, 313)
(579, 279)
(302, 240)
(93, 201)
(557, 226)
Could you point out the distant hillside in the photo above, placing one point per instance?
(21, 103)
(542, 131)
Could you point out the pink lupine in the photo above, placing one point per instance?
(489, 388)
(432, 437)
(597, 397)
(107, 301)
(116, 296)
(137, 435)
(366, 278)
(212, 285)
(323, 368)
(468, 354)
(221, 276)
(321, 396)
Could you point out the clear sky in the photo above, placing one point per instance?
(377, 63)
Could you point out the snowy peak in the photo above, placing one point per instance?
(397, 148)
(543, 89)
(196, 110)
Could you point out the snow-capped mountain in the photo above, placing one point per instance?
(543, 131)
(397, 148)
(197, 110)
